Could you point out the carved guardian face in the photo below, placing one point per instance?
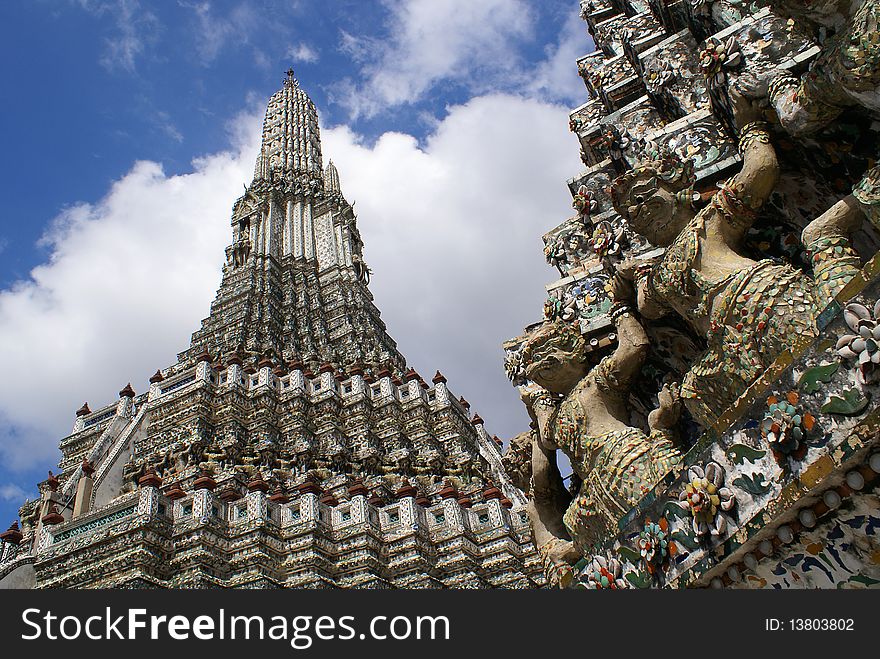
(554, 357)
(651, 210)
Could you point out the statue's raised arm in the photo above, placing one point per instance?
(748, 311)
(755, 182)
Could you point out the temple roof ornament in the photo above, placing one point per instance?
(289, 79)
(331, 178)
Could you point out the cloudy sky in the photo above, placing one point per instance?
(129, 127)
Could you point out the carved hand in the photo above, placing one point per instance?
(558, 556)
(669, 410)
(622, 288)
(540, 405)
(745, 110)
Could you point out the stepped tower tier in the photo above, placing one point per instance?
(289, 445)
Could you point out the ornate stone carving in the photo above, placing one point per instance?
(706, 499)
(603, 573)
(745, 286)
(578, 407)
(846, 73)
(748, 311)
(863, 345)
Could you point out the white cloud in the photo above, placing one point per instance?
(213, 33)
(163, 122)
(12, 492)
(430, 41)
(127, 281)
(452, 232)
(135, 27)
(302, 52)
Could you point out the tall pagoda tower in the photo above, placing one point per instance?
(289, 445)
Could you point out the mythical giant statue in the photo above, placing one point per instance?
(719, 318)
(846, 73)
(748, 311)
(582, 408)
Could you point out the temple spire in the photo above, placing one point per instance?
(331, 178)
(291, 138)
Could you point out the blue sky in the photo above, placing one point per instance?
(130, 126)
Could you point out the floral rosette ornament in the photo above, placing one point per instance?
(657, 77)
(864, 344)
(783, 426)
(603, 573)
(654, 546)
(605, 241)
(716, 57)
(706, 499)
(554, 251)
(585, 202)
(618, 142)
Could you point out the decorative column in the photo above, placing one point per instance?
(409, 511)
(155, 388)
(234, 370)
(148, 493)
(308, 232)
(451, 508)
(265, 372)
(328, 382)
(412, 382)
(81, 413)
(385, 382)
(309, 491)
(257, 505)
(441, 393)
(125, 406)
(297, 380)
(84, 489)
(357, 381)
(357, 493)
(288, 227)
(203, 367)
(497, 502)
(268, 229)
(203, 497)
(48, 511)
(298, 248)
